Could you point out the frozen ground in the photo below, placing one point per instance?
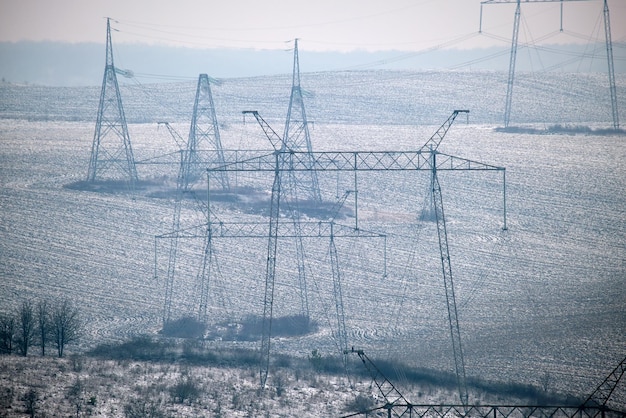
(546, 295)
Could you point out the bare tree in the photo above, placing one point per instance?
(26, 327)
(7, 333)
(66, 325)
(43, 325)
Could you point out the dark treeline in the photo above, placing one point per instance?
(194, 352)
(41, 324)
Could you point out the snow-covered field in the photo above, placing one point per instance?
(548, 295)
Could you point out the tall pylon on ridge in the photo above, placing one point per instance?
(297, 137)
(204, 147)
(513, 54)
(111, 149)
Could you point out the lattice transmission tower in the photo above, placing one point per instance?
(111, 150)
(202, 150)
(513, 54)
(282, 161)
(204, 146)
(298, 138)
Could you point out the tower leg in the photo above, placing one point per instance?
(509, 84)
(609, 57)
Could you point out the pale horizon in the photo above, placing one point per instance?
(326, 25)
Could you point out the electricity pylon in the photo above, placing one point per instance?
(513, 55)
(111, 149)
(203, 149)
(283, 159)
(298, 138)
(204, 146)
(303, 185)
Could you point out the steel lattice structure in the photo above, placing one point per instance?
(409, 410)
(204, 146)
(202, 149)
(298, 138)
(395, 404)
(446, 266)
(514, 44)
(111, 148)
(283, 159)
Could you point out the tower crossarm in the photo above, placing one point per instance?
(433, 142)
(357, 161)
(276, 141)
(320, 229)
(182, 144)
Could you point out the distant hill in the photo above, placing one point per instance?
(81, 64)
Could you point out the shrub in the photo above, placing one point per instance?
(186, 327)
(139, 348)
(360, 403)
(6, 399)
(185, 390)
(143, 409)
(251, 327)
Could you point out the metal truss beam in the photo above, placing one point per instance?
(491, 411)
(270, 272)
(322, 229)
(603, 392)
(357, 161)
(512, 59)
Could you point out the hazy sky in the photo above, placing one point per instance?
(338, 25)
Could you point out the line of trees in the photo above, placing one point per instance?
(43, 324)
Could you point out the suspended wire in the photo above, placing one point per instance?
(372, 64)
(402, 57)
(479, 60)
(182, 38)
(149, 93)
(164, 77)
(416, 237)
(495, 252)
(326, 308)
(248, 28)
(409, 55)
